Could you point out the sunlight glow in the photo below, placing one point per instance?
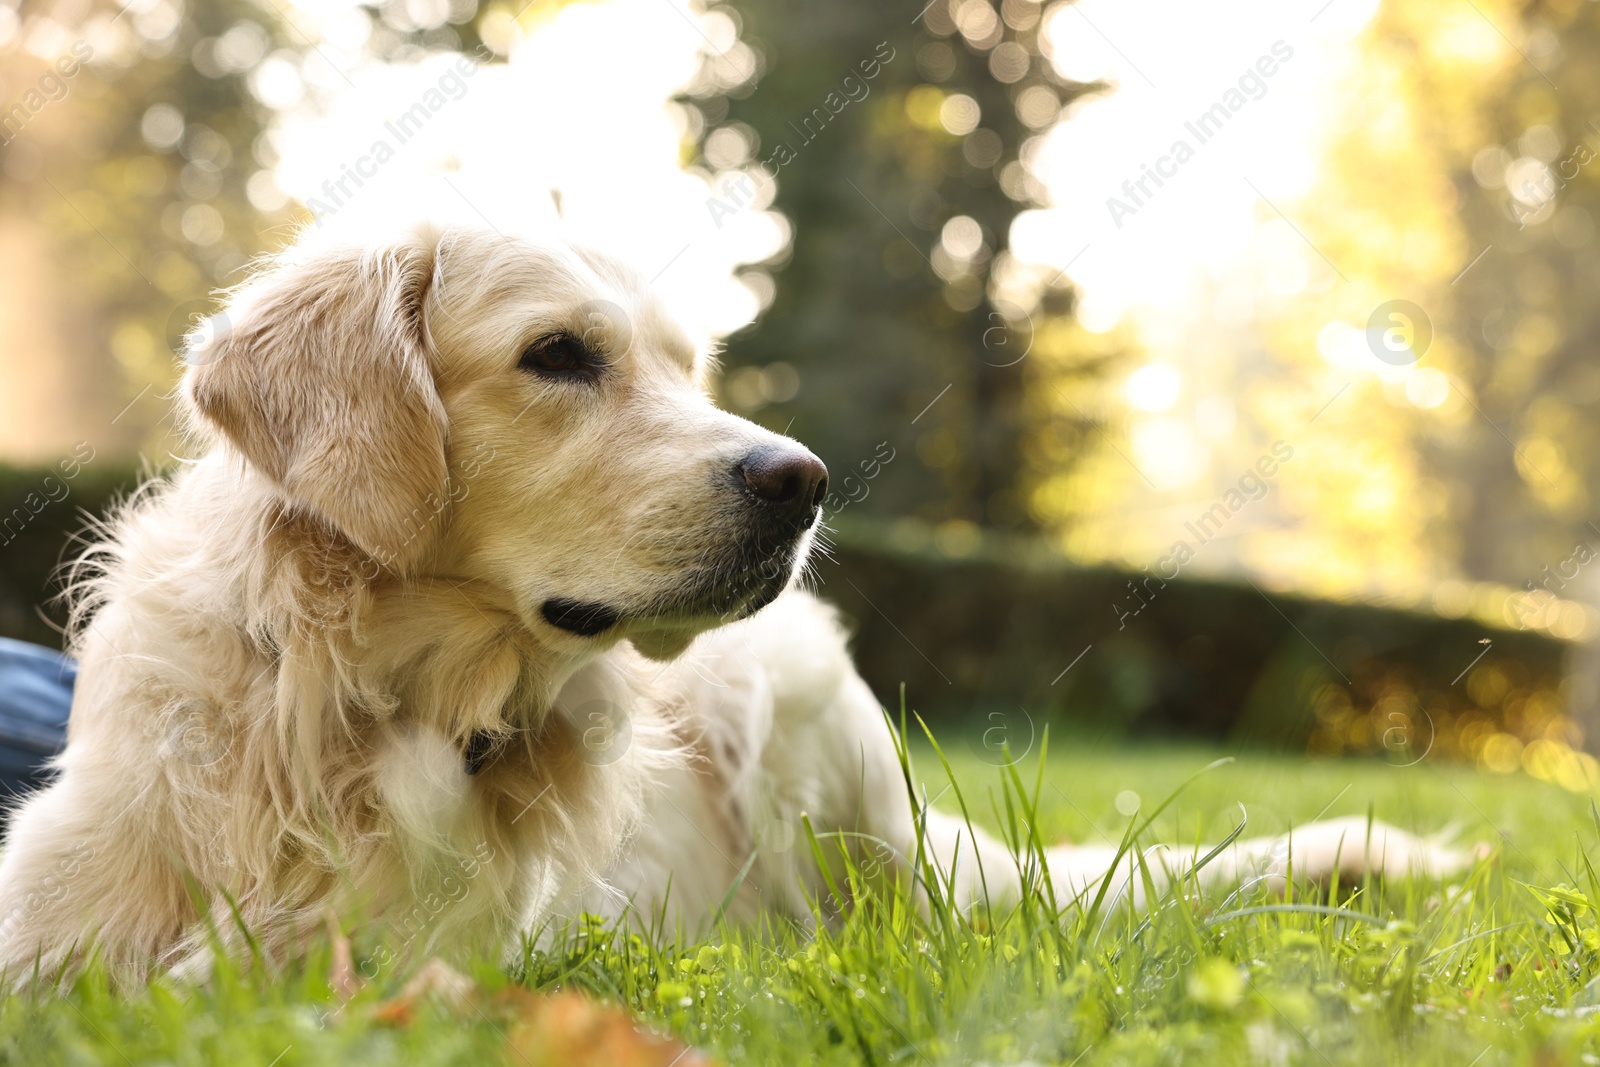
(1428, 388)
(1161, 185)
(1166, 452)
(496, 144)
(1166, 196)
(1154, 387)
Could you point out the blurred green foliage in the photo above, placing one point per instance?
(901, 203)
(1529, 200)
(148, 189)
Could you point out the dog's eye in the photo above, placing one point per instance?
(560, 356)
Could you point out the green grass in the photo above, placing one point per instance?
(1485, 970)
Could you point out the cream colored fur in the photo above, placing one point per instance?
(290, 645)
(785, 728)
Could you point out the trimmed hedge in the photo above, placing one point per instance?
(1023, 633)
(42, 510)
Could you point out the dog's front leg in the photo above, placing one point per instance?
(85, 865)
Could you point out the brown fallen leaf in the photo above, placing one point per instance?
(434, 978)
(570, 1030)
(544, 1030)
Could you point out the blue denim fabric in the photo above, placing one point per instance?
(35, 696)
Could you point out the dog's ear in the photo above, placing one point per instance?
(320, 373)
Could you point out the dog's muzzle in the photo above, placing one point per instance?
(783, 487)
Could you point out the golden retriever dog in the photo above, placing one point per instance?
(471, 614)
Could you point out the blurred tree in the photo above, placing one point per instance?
(1464, 458)
(1460, 178)
(1481, 454)
(1528, 479)
(899, 137)
(1529, 476)
(147, 174)
(1487, 448)
(1371, 508)
(149, 169)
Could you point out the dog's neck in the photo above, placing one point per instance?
(450, 653)
(443, 653)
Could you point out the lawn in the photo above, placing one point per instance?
(1494, 968)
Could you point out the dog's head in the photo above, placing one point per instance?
(526, 415)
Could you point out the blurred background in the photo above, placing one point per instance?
(1211, 370)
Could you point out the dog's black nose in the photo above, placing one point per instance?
(791, 479)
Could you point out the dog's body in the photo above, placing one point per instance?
(410, 638)
(784, 732)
